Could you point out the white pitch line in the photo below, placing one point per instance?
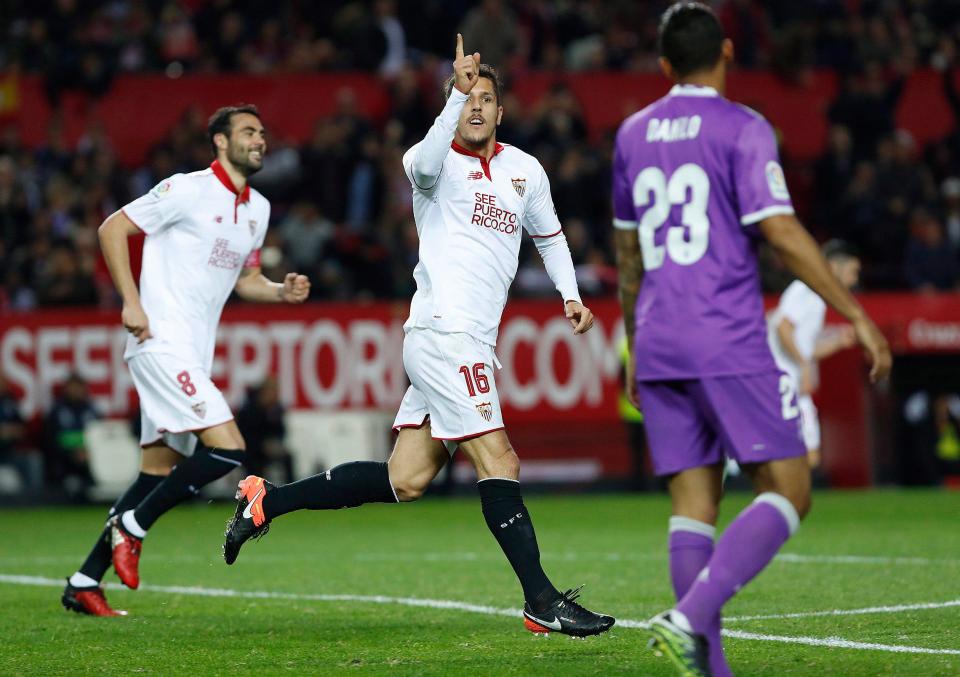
(838, 643)
(848, 612)
(832, 642)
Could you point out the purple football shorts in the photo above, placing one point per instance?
(691, 423)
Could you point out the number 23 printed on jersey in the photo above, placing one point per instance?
(686, 243)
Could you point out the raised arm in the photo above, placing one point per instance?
(113, 234)
(425, 160)
(800, 253)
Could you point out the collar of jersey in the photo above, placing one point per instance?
(693, 90)
(221, 174)
(483, 161)
(463, 151)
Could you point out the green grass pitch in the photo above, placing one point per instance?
(856, 551)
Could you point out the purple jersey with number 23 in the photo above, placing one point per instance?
(694, 173)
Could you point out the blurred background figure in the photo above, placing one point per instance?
(67, 460)
(14, 450)
(260, 419)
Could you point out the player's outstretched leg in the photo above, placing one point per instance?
(346, 486)
(546, 609)
(83, 593)
(128, 529)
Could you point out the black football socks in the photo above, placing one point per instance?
(345, 486)
(99, 559)
(185, 480)
(508, 519)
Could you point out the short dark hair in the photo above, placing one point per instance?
(486, 71)
(836, 250)
(690, 37)
(222, 119)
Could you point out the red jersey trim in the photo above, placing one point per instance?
(241, 196)
(253, 261)
(483, 161)
(550, 235)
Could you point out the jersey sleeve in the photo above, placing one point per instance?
(758, 177)
(162, 206)
(624, 215)
(540, 216)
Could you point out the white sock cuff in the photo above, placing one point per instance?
(79, 580)
(131, 524)
(784, 506)
(679, 523)
(505, 479)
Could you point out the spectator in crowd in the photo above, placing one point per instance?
(491, 29)
(929, 265)
(261, 421)
(67, 460)
(65, 281)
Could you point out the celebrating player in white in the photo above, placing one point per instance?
(472, 198)
(204, 232)
(797, 341)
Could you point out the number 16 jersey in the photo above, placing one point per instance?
(693, 174)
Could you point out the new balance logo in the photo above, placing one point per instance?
(474, 176)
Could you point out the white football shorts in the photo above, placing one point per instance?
(176, 400)
(809, 422)
(451, 381)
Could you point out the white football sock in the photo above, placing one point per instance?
(79, 580)
(131, 525)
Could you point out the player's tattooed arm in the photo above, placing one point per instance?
(253, 285)
(799, 251)
(630, 274)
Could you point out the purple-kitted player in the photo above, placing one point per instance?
(696, 184)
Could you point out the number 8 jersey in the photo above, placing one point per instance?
(694, 173)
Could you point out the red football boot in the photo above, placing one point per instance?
(90, 601)
(126, 553)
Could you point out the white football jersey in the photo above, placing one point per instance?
(200, 234)
(470, 222)
(807, 311)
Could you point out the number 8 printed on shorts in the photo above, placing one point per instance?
(186, 385)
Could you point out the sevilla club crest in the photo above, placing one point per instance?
(519, 185)
(485, 409)
(200, 409)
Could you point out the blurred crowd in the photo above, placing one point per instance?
(84, 43)
(341, 203)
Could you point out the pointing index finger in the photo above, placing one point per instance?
(459, 46)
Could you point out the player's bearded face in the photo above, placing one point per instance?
(480, 115)
(247, 144)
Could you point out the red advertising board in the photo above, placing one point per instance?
(558, 391)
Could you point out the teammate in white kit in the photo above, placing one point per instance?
(203, 232)
(797, 340)
(472, 199)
